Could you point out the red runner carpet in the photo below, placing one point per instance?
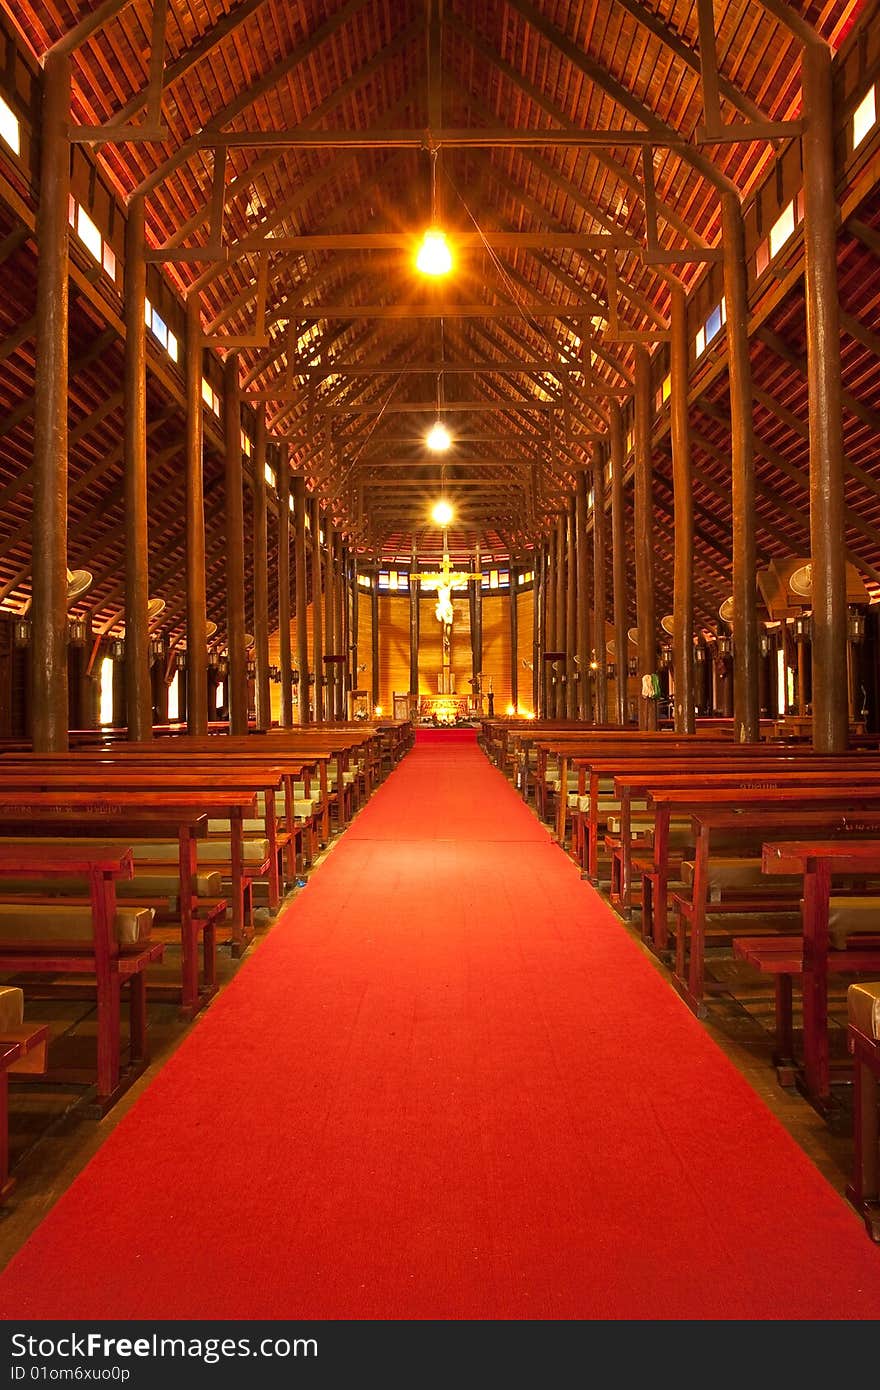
(447, 1085)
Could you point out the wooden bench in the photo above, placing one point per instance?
(179, 818)
(863, 1010)
(23, 1051)
(837, 936)
(97, 953)
(778, 909)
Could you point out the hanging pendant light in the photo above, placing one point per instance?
(438, 438)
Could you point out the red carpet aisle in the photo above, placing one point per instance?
(447, 1085)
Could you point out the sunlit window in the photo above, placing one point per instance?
(174, 697)
(89, 234)
(863, 121)
(106, 695)
(269, 475)
(10, 127)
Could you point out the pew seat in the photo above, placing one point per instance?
(48, 925)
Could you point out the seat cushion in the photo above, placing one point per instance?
(253, 851)
(11, 1008)
(30, 924)
(863, 1007)
(728, 874)
(143, 885)
(852, 916)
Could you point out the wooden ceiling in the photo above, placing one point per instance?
(315, 124)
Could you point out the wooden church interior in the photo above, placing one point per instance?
(380, 370)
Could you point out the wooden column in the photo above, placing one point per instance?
(683, 510)
(354, 627)
(514, 635)
(476, 589)
(138, 683)
(330, 670)
(560, 589)
(827, 555)
(538, 630)
(746, 706)
(262, 702)
(583, 643)
(284, 657)
(550, 642)
(196, 601)
(571, 625)
(599, 587)
(48, 696)
(414, 624)
(301, 597)
(345, 619)
(374, 637)
(643, 521)
(234, 517)
(618, 560)
(317, 623)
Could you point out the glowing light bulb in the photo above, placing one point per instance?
(434, 256)
(438, 437)
(442, 514)
(378, 709)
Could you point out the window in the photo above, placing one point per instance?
(210, 397)
(162, 333)
(10, 127)
(246, 449)
(269, 475)
(173, 350)
(783, 228)
(88, 233)
(218, 698)
(863, 121)
(710, 329)
(106, 693)
(174, 697)
(365, 581)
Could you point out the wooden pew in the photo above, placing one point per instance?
(637, 778)
(23, 1051)
(820, 811)
(176, 816)
(100, 956)
(816, 861)
(863, 1008)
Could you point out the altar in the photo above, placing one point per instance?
(449, 709)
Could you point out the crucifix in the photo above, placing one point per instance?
(444, 581)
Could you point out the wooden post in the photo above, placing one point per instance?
(571, 625)
(301, 596)
(345, 619)
(599, 589)
(560, 590)
(514, 636)
(414, 624)
(317, 625)
(263, 705)
(374, 637)
(138, 684)
(643, 522)
(284, 658)
(538, 630)
(583, 644)
(49, 698)
(683, 507)
(477, 633)
(550, 642)
(354, 627)
(234, 516)
(746, 705)
(196, 601)
(330, 616)
(827, 554)
(618, 558)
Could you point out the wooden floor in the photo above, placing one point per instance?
(52, 1139)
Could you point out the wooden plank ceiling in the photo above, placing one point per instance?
(356, 340)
